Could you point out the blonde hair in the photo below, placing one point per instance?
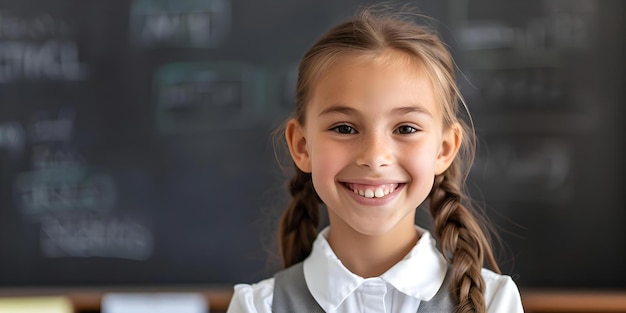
(459, 230)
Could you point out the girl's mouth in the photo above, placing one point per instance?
(373, 191)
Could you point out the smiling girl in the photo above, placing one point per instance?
(377, 131)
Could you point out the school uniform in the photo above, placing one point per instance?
(415, 279)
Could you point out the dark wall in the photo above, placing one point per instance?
(135, 136)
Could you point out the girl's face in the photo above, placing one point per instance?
(373, 140)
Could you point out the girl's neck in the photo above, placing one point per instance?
(371, 255)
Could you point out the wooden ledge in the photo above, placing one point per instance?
(550, 300)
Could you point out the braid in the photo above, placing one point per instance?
(463, 242)
(300, 221)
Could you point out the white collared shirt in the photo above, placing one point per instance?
(399, 290)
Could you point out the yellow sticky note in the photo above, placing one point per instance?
(36, 305)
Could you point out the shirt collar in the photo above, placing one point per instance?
(420, 274)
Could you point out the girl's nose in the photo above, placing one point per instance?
(375, 152)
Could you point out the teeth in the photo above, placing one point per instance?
(378, 192)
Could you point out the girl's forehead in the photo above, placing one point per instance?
(385, 58)
(357, 64)
(382, 77)
(382, 60)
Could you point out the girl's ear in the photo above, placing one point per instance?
(294, 134)
(450, 144)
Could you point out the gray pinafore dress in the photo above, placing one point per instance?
(291, 295)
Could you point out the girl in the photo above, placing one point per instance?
(376, 132)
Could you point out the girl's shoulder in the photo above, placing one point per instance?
(497, 281)
(252, 297)
(501, 293)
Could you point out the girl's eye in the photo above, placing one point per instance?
(406, 129)
(344, 129)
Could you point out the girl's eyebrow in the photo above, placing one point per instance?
(339, 109)
(411, 109)
(396, 111)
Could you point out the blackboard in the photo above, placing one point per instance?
(136, 136)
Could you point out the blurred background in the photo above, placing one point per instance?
(136, 135)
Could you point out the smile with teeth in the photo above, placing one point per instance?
(369, 191)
